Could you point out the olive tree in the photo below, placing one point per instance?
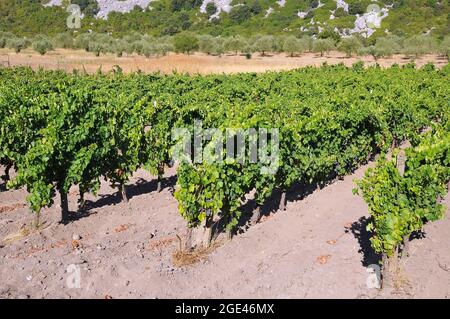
(235, 44)
(387, 46)
(292, 45)
(206, 43)
(323, 45)
(185, 42)
(143, 47)
(82, 41)
(3, 41)
(63, 40)
(349, 45)
(210, 45)
(119, 47)
(218, 47)
(444, 47)
(147, 49)
(264, 44)
(307, 42)
(418, 45)
(17, 44)
(163, 47)
(4, 37)
(98, 47)
(370, 50)
(42, 45)
(278, 43)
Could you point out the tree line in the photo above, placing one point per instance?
(187, 42)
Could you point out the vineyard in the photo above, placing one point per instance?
(60, 130)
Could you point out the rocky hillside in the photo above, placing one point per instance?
(224, 17)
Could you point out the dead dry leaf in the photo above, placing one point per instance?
(10, 208)
(323, 259)
(348, 225)
(76, 244)
(121, 228)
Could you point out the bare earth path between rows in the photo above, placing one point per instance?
(311, 250)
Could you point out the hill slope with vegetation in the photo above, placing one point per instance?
(325, 18)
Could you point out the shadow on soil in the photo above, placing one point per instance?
(141, 187)
(74, 216)
(359, 230)
(272, 205)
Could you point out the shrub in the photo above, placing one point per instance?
(178, 5)
(211, 9)
(309, 15)
(239, 14)
(340, 12)
(255, 7)
(88, 7)
(355, 8)
(314, 4)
